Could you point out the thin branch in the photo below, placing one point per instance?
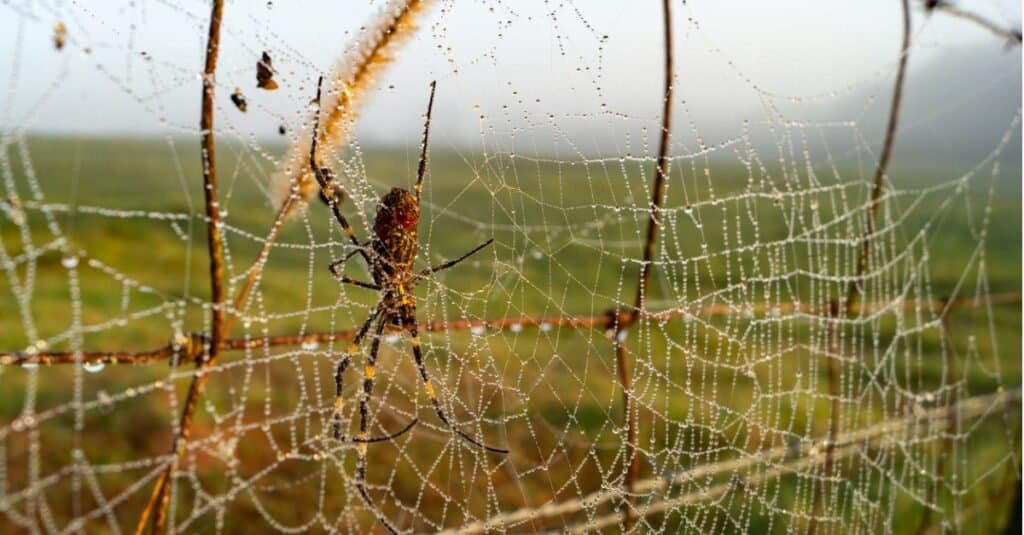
(948, 452)
(834, 371)
(856, 286)
(1009, 34)
(161, 490)
(632, 459)
(856, 289)
(195, 347)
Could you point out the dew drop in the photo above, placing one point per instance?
(516, 327)
(93, 367)
(69, 261)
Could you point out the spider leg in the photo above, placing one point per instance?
(333, 268)
(451, 263)
(325, 179)
(429, 386)
(360, 284)
(343, 364)
(421, 168)
(362, 439)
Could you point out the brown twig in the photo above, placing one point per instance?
(195, 346)
(1011, 35)
(832, 352)
(856, 289)
(160, 499)
(954, 398)
(632, 459)
(856, 286)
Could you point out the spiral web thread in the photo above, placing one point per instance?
(741, 361)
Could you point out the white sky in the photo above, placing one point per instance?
(729, 56)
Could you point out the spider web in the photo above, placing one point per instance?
(761, 402)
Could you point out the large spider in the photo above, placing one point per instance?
(391, 255)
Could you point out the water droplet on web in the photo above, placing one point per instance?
(545, 327)
(392, 339)
(516, 327)
(478, 330)
(179, 340)
(93, 367)
(30, 365)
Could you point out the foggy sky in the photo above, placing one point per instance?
(578, 76)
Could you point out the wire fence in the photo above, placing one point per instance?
(637, 498)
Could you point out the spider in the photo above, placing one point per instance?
(390, 255)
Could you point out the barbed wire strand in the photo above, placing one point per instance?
(194, 346)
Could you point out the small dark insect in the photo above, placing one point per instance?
(391, 256)
(239, 99)
(265, 73)
(60, 35)
(281, 130)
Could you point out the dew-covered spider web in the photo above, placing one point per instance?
(779, 379)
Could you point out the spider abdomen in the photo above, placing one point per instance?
(395, 239)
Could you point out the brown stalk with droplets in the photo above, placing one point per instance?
(632, 459)
(856, 288)
(160, 498)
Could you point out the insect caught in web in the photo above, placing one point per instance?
(390, 255)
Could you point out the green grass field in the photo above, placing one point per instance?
(710, 388)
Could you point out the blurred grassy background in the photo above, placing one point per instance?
(708, 391)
